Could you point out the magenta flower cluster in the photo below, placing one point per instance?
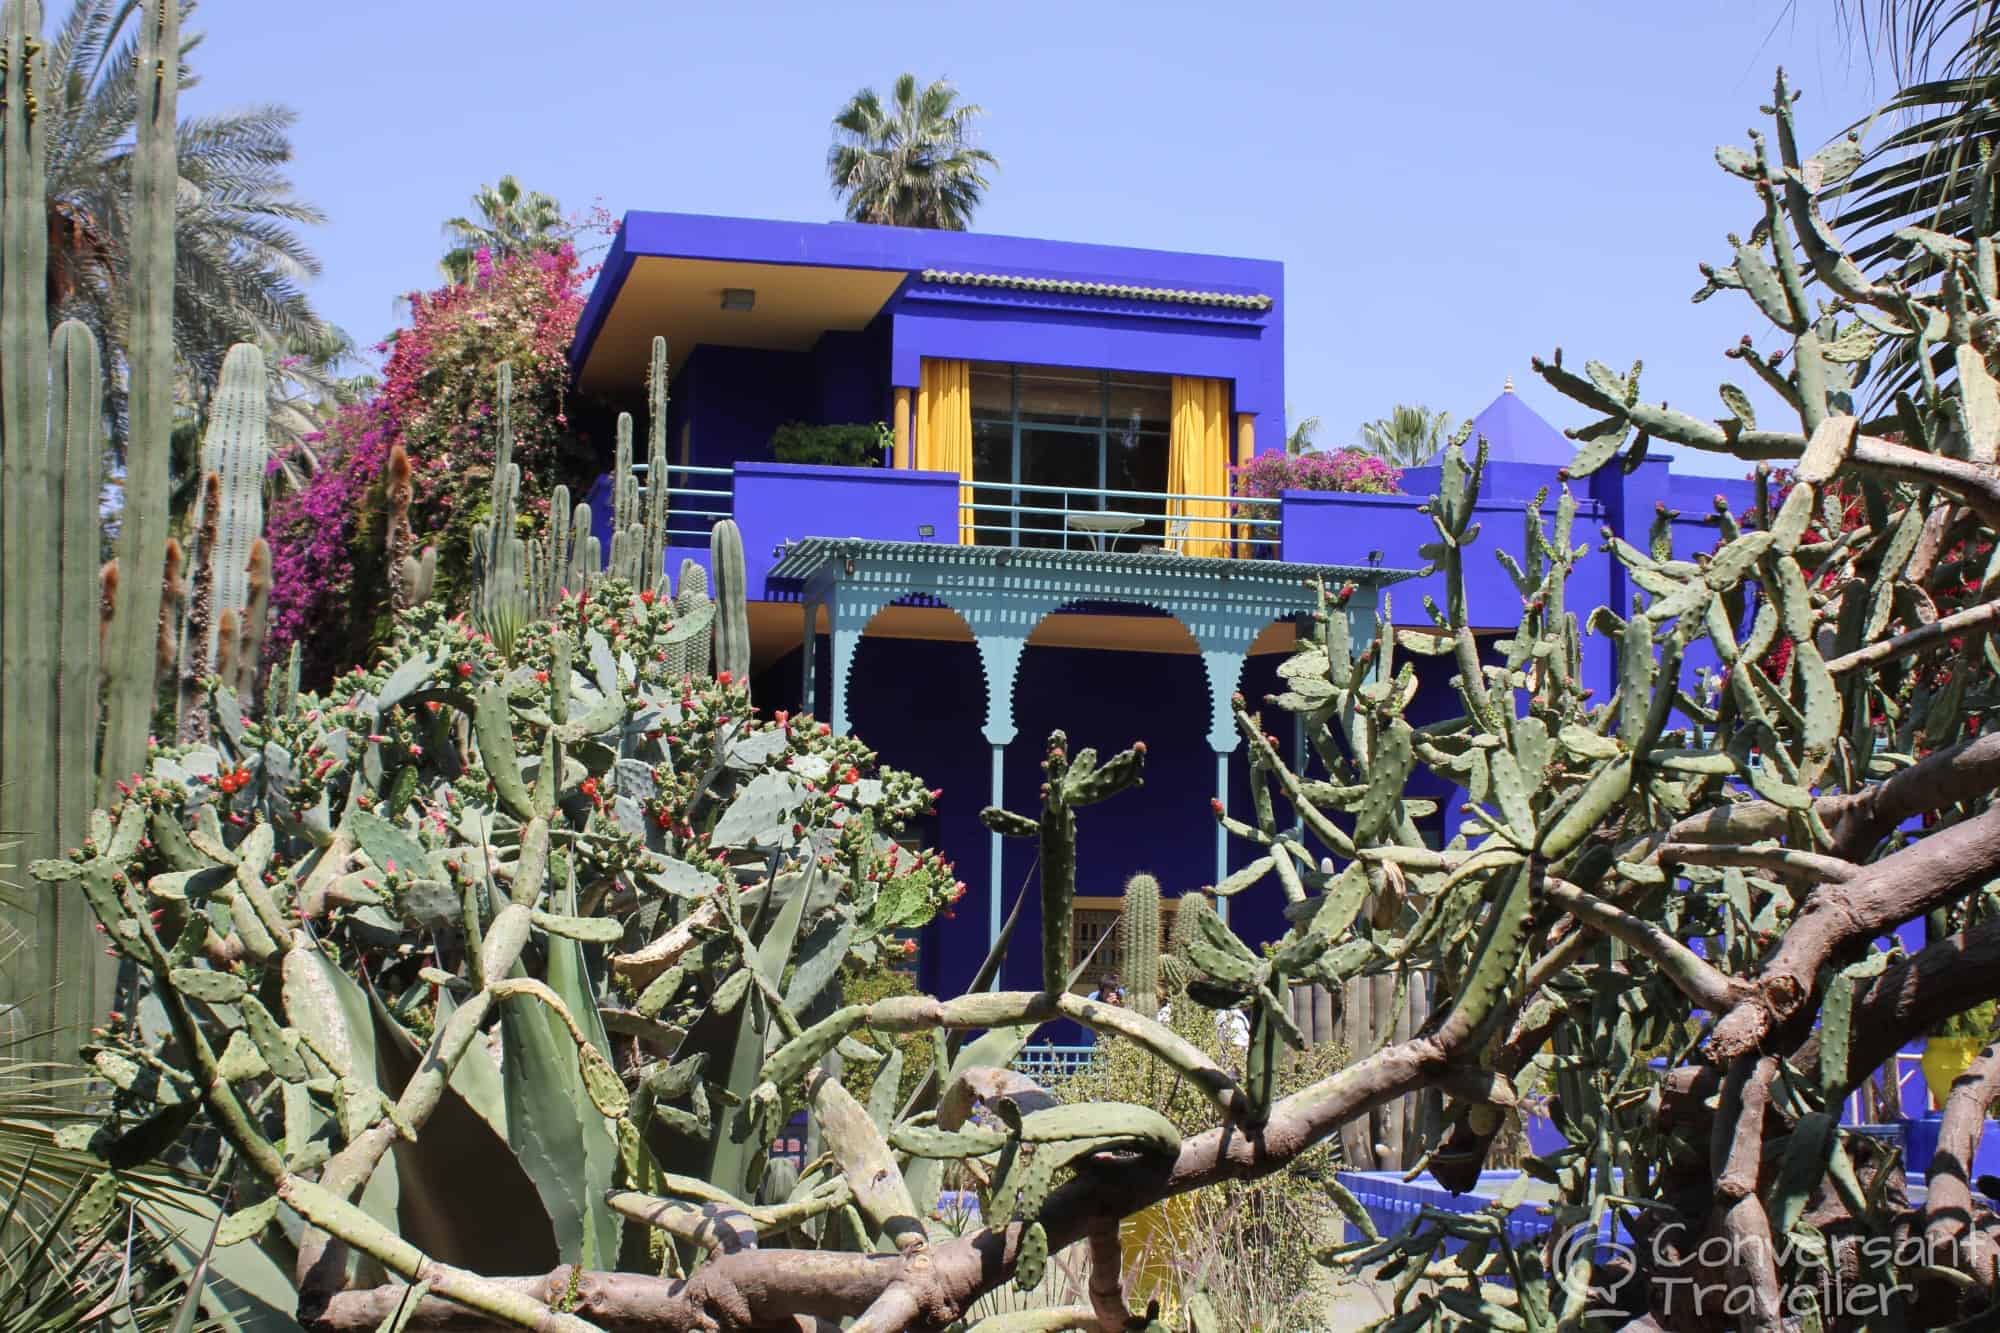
(436, 399)
(1274, 471)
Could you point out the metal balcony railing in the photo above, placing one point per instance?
(1049, 1063)
(1101, 519)
(695, 505)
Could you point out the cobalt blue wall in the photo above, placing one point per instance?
(780, 502)
(997, 323)
(920, 703)
(851, 375)
(732, 398)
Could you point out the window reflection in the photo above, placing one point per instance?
(1081, 432)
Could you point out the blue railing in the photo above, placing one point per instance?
(1049, 1063)
(695, 505)
(1098, 518)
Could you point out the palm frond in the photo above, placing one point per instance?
(912, 164)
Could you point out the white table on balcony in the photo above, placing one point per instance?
(1099, 525)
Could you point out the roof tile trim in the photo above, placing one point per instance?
(1072, 287)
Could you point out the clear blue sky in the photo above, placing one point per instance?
(1452, 187)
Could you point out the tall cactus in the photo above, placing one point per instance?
(198, 633)
(142, 534)
(639, 539)
(691, 657)
(411, 572)
(234, 449)
(499, 557)
(732, 609)
(1139, 942)
(256, 622)
(654, 547)
(50, 464)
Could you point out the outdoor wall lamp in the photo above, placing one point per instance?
(738, 298)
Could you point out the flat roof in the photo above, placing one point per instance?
(677, 264)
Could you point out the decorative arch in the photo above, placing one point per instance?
(1003, 594)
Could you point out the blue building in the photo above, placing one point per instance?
(1048, 539)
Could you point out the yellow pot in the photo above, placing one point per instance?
(1153, 1240)
(1945, 1058)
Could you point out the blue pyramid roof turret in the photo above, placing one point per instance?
(1515, 434)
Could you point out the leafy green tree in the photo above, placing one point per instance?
(239, 263)
(512, 221)
(1408, 436)
(910, 163)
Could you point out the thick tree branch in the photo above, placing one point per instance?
(1972, 483)
(756, 1289)
(1835, 917)
(1948, 1218)
(1107, 1278)
(1737, 1152)
(1909, 999)
(1786, 863)
(1917, 640)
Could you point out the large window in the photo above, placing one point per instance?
(1088, 434)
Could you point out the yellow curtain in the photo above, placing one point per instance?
(1198, 464)
(944, 428)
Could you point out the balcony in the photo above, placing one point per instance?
(780, 504)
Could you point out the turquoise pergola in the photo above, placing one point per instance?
(1003, 593)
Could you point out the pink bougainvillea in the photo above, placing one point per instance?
(436, 399)
(1274, 471)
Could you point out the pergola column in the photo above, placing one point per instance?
(1223, 649)
(809, 660)
(849, 613)
(901, 418)
(999, 662)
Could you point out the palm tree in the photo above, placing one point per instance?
(239, 264)
(911, 164)
(1302, 438)
(513, 221)
(1408, 436)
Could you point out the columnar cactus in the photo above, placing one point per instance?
(142, 524)
(732, 613)
(691, 658)
(50, 475)
(411, 571)
(1139, 942)
(198, 632)
(639, 529)
(256, 621)
(235, 449)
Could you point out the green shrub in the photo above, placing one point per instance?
(858, 444)
(1248, 1246)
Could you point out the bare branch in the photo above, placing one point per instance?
(1695, 977)
(1917, 640)
(1836, 917)
(1785, 862)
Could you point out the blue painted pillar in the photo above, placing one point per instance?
(1221, 834)
(995, 848)
(809, 662)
